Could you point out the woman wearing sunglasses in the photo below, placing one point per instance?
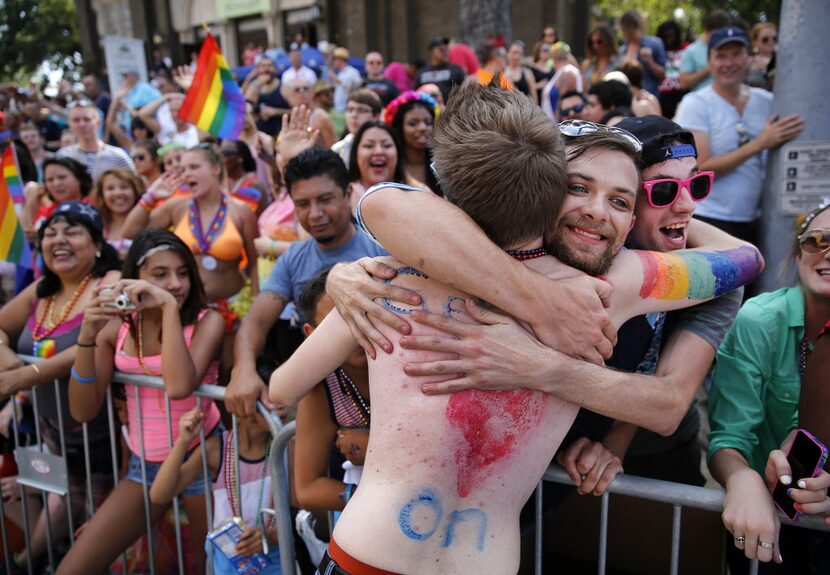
(753, 410)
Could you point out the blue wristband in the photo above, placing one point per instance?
(91, 379)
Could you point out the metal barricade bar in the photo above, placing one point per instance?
(213, 392)
(676, 494)
(280, 489)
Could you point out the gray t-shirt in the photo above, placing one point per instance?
(736, 196)
(709, 321)
(305, 259)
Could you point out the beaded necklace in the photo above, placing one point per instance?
(140, 345)
(349, 389)
(205, 240)
(49, 310)
(804, 352)
(523, 255)
(232, 481)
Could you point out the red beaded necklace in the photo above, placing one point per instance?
(48, 311)
(523, 255)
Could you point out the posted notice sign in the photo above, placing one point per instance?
(805, 176)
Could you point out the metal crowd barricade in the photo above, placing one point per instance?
(54, 480)
(676, 494)
(48, 473)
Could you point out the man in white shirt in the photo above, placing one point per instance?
(343, 77)
(297, 69)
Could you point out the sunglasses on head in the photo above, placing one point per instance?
(815, 241)
(577, 128)
(80, 103)
(573, 109)
(664, 192)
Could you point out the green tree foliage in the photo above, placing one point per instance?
(34, 31)
(690, 13)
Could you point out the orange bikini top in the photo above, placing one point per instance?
(227, 246)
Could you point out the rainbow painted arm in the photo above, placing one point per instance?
(655, 281)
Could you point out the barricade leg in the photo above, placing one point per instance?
(176, 511)
(114, 454)
(675, 539)
(537, 554)
(147, 518)
(603, 534)
(282, 499)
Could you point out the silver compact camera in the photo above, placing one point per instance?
(121, 302)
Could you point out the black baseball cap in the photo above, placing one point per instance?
(726, 35)
(87, 214)
(659, 137)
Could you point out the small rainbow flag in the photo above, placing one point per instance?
(13, 245)
(11, 175)
(214, 102)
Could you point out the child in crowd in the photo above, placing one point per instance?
(171, 327)
(335, 413)
(254, 482)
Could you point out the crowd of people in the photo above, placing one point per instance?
(616, 200)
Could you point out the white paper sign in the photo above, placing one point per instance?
(805, 176)
(124, 55)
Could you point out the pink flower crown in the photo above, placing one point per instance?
(392, 108)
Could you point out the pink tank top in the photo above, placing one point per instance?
(153, 412)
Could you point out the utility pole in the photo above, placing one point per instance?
(801, 89)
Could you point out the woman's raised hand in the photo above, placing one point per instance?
(164, 186)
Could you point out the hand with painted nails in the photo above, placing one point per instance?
(809, 493)
(352, 443)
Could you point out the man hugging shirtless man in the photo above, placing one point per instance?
(446, 476)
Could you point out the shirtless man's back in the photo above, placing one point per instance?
(446, 476)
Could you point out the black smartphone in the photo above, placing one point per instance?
(807, 457)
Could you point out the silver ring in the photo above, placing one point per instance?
(765, 545)
(740, 540)
(583, 477)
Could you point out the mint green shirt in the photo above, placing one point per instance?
(753, 402)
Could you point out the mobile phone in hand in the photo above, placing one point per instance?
(807, 457)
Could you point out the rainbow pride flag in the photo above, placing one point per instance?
(13, 245)
(214, 102)
(11, 175)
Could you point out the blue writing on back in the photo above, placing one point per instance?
(428, 498)
(457, 517)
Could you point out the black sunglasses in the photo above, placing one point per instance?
(573, 109)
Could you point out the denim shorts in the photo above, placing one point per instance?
(197, 487)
